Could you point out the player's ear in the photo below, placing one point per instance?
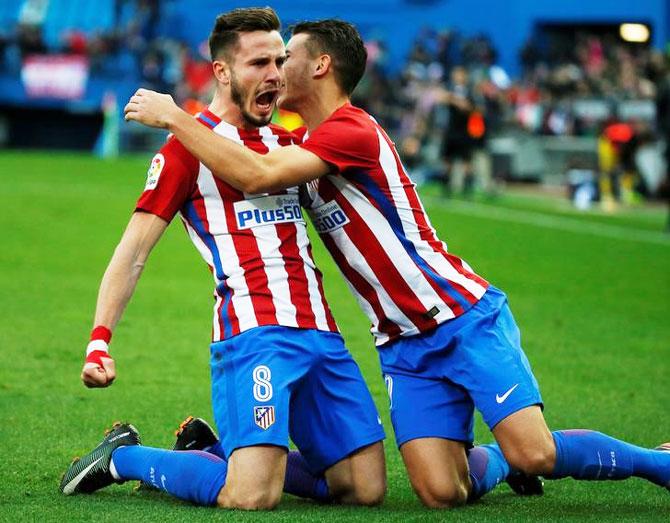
(322, 65)
(221, 71)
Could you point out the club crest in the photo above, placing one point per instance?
(264, 416)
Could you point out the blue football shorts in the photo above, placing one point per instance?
(271, 383)
(435, 380)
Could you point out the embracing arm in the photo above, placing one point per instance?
(243, 168)
(239, 166)
(118, 285)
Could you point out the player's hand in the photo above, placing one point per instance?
(150, 108)
(99, 370)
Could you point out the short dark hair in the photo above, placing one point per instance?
(228, 26)
(343, 43)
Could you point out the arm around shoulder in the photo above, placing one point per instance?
(280, 169)
(244, 169)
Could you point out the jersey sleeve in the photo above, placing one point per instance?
(171, 179)
(345, 142)
(300, 133)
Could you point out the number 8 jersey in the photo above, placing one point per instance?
(255, 245)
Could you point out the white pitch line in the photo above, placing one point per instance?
(562, 223)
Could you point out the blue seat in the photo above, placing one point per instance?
(83, 15)
(9, 14)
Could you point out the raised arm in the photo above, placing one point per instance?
(239, 166)
(116, 289)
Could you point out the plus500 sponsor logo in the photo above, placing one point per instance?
(268, 210)
(328, 217)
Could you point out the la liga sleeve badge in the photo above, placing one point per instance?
(154, 172)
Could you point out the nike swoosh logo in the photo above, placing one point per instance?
(72, 484)
(119, 436)
(501, 399)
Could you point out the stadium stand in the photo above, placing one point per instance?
(545, 87)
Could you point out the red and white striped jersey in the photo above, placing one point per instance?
(370, 218)
(255, 245)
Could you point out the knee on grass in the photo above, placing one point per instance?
(367, 492)
(248, 500)
(442, 495)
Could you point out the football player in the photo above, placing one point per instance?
(446, 337)
(278, 363)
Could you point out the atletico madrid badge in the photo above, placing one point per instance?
(264, 416)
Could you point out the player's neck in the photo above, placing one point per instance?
(321, 106)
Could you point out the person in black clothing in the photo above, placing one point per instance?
(457, 143)
(663, 126)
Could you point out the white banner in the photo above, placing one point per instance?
(55, 76)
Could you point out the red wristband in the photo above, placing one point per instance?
(100, 337)
(96, 357)
(101, 332)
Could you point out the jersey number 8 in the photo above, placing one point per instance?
(262, 385)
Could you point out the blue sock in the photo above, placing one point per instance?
(187, 474)
(217, 450)
(299, 481)
(586, 454)
(488, 467)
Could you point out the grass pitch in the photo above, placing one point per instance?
(591, 295)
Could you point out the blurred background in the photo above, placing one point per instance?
(569, 98)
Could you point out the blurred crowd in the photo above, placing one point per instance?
(452, 96)
(134, 47)
(541, 100)
(441, 106)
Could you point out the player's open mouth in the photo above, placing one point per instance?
(266, 100)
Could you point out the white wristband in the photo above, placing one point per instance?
(97, 345)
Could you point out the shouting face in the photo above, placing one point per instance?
(256, 75)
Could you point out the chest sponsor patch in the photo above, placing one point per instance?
(154, 172)
(268, 210)
(328, 217)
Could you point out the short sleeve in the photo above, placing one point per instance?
(299, 134)
(171, 180)
(345, 142)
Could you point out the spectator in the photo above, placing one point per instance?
(663, 126)
(30, 40)
(458, 143)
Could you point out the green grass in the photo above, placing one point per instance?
(593, 311)
(638, 217)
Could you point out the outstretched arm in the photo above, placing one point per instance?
(239, 166)
(118, 285)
